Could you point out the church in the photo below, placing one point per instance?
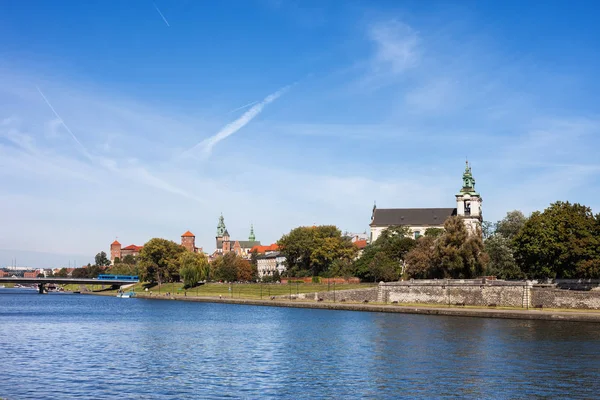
(225, 244)
(418, 220)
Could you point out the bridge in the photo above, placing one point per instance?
(42, 282)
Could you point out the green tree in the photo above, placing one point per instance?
(312, 250)
(454, 254)
(117, 260)
(79, 273)
(421, 261)
(511, 225)
(159, 261)
(62, 273)
(254, 257)
(434, 232)
(394, 244)
(128, 259)
(194, 268)
(502, 263)
(458, 254)
(383, 268)
(560, 242)
(101, 259)
(224, 268)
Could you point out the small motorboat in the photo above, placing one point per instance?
(126, 295)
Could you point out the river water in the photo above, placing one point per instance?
(77, 346)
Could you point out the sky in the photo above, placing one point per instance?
(142, 119)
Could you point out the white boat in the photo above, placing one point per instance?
(126, 295)
(2, 286)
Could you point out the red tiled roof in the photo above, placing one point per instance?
(188, 234)
(132, 247)
(361, 244)
(115, 242)
(264, 249)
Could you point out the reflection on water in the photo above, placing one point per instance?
(64, 346)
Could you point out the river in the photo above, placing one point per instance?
(67, 346)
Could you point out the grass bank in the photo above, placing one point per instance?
(226, 290)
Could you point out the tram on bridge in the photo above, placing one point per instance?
(133, 278)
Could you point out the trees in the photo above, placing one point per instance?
(499, 246)
(560, 242)
(453, 254)
(511, 225)
(458, 254)
(312, 250)
(420, 261)
(193, 268)
(159, 261)
(502, 262)
(390, 249)
(231, 268)
(102, 260)
(128, 259)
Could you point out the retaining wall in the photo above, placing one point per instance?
(478, 292)
(549, 297)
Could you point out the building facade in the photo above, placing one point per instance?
(418, 220)
(270, 262)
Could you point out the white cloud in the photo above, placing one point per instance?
(207, 144)
(396, 47)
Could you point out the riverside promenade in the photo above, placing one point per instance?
(531, 314)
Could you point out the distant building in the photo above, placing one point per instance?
(418, 220)
(30, 274)
(224, 243)
(188, 240)
(3, 274)
(265, 249)
(267, 264)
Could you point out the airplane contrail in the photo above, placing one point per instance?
(231, 128)
(242, 107)
(63, 123)
(161, 14)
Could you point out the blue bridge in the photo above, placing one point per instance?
(114, 281)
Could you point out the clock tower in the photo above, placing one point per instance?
(468, 203)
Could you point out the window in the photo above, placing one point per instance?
(417, 234)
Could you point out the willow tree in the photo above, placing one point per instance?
(193, 268)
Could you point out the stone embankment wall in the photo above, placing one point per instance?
(352, 295)
(470, 292)
(551, 297)
(476, 292)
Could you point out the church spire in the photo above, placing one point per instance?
(252, 238)
(468, 180)
(221, 229)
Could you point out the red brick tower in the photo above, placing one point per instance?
(115, 251)
(188, 240)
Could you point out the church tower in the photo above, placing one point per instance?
(468, 202)
(252, 237)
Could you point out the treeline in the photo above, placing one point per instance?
(162, 260)
(563, 241)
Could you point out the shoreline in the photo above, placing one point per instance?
(540, 315)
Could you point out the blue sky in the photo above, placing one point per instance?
(138, 119)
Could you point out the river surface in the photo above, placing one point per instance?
(77, 346)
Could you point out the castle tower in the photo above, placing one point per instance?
(221, 229)
(226, 242)
(188, 240)
(468, 202)
(252, 237)
(115, 251)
